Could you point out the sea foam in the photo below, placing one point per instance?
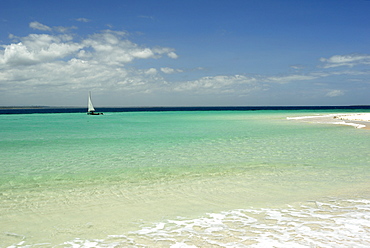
(331, 223)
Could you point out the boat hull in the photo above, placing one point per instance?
(93, 113)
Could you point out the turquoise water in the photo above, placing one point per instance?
(181, 179)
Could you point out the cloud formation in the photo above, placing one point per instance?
(219, 84)
(109, 61)
(346, 60)
(169, 70)
(108, 47)
(101, 60)
(39, 26)
(42, 27)
(335, 93)
(83, 19)
(289, 78)
(36, 48)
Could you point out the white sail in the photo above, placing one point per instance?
(90, 107)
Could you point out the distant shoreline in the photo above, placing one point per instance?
(21, 107)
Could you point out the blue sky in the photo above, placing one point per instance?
(185, 53)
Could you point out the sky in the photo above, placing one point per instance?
(184, 53)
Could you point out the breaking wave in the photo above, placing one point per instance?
(333, 223)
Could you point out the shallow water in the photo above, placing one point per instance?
(162, 179)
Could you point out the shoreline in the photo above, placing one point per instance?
(360, 119)
(357, 120)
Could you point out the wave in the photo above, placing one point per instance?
(330, 223)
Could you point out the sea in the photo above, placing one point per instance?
(183, 177)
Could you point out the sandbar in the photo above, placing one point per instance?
(357, 120)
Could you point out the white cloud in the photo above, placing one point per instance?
(165, 50)
(43, 62)
(106, 61)
(110, 48)
(297, 67)
(172, 55)
(61, 29)
(219, 84)
(289, 78)
(37, 49)
(335, 93)
(42, 27)
(151, 71)
(83, 20)
(345, 60)
(169, 70)
(39, 26)
(142, 53)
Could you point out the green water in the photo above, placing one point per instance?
(66, 176)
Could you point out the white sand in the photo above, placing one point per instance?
(354, 117)
(357, 120)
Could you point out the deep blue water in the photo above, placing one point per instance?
(48, 110)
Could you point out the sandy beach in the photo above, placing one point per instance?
(357, 120)
(362, 119)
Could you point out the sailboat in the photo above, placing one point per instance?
(90, 107)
